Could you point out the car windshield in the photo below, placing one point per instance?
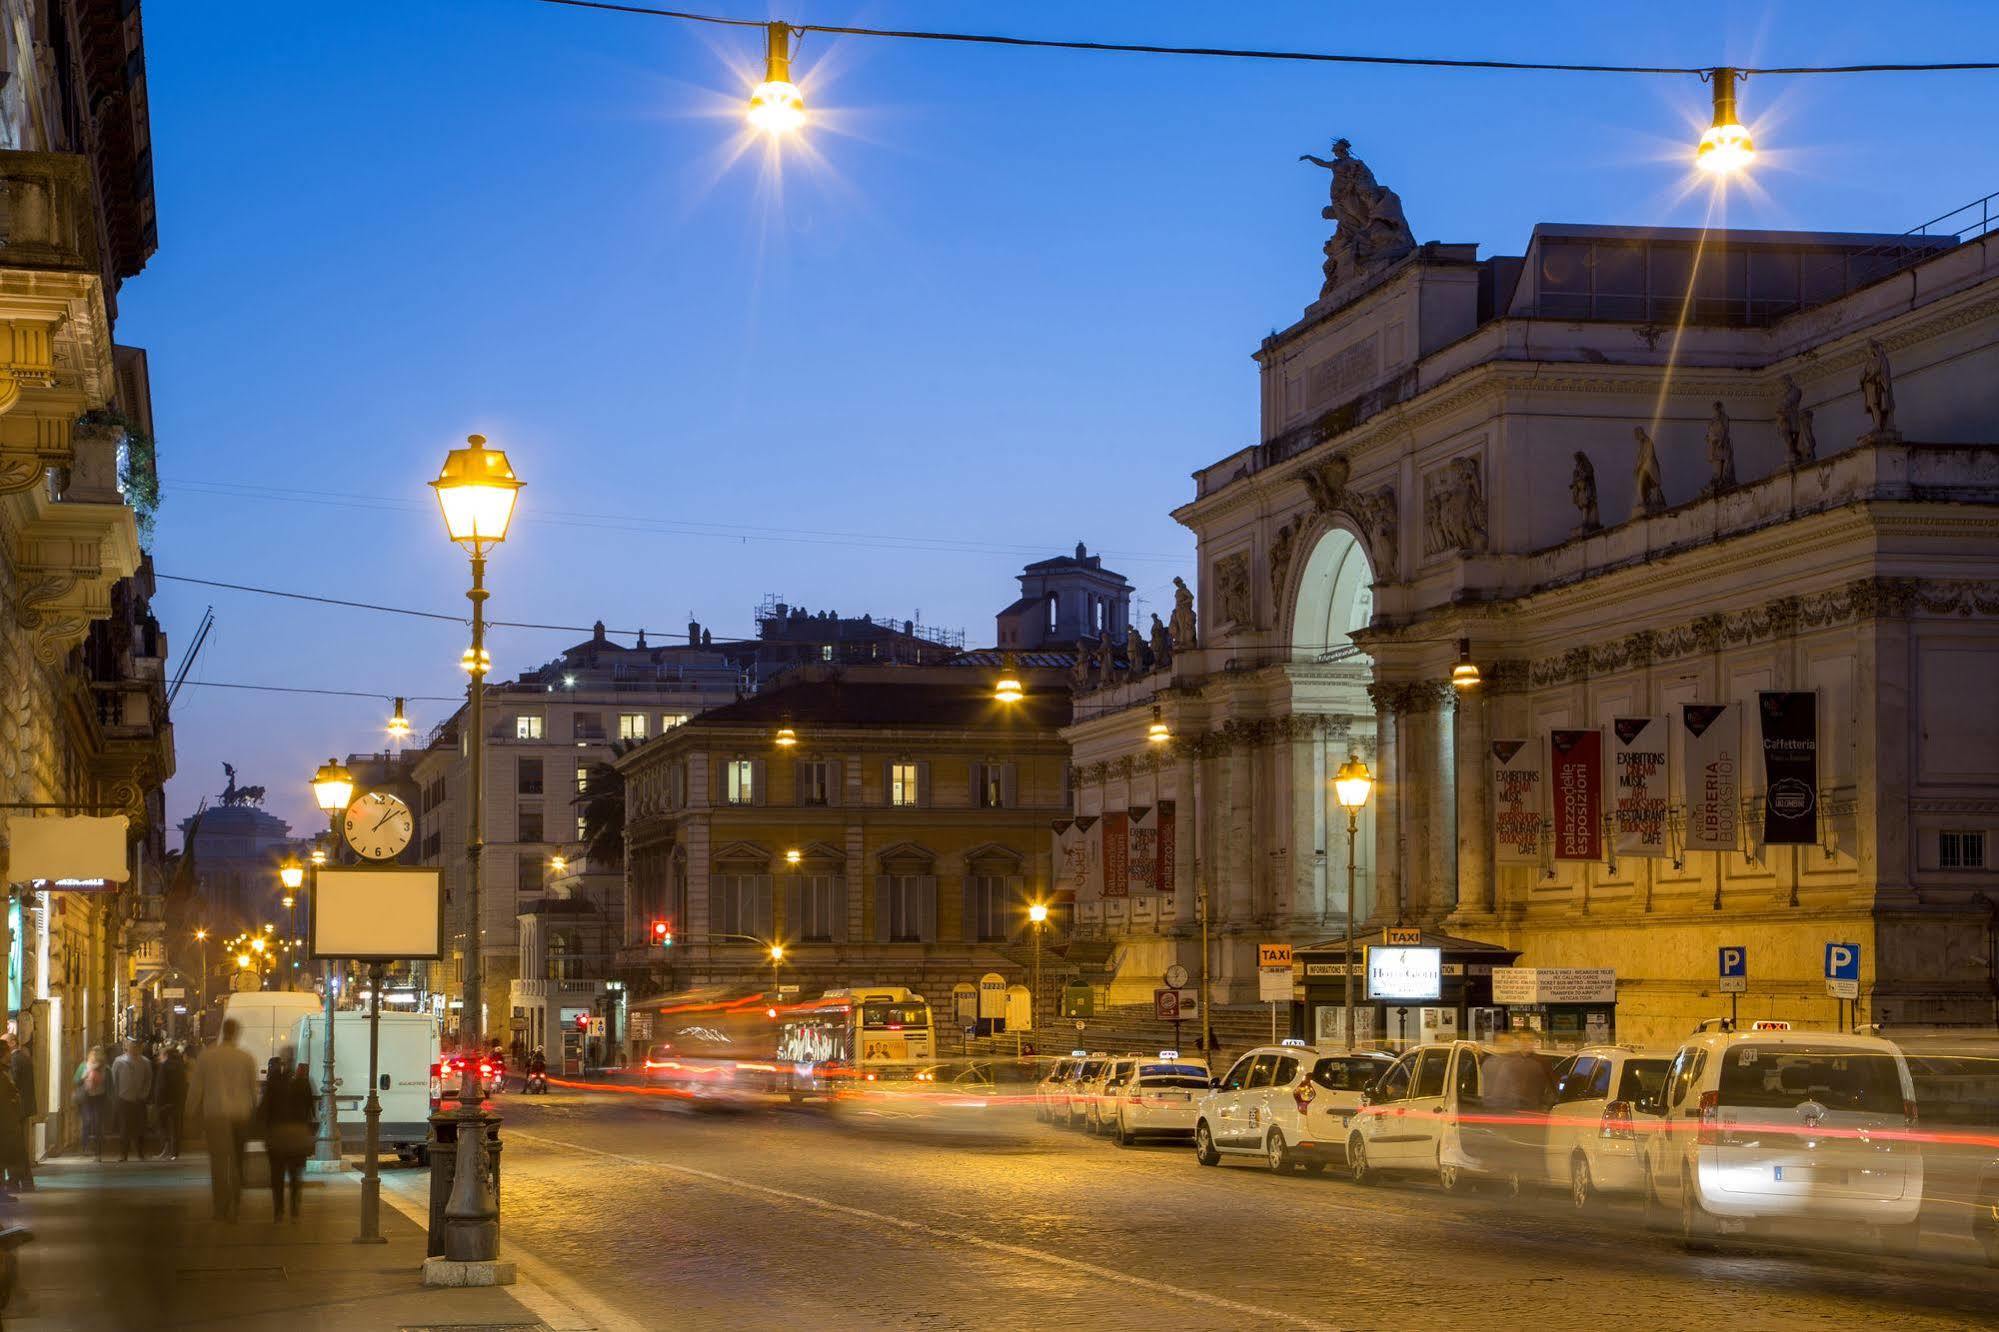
(1346, 1074)
(1146, 1072)
(1641, 1080)
(891, 1016)
(1088, 1069)
(1786, 1075)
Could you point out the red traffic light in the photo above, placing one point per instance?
(662, 934)
(582, 1022)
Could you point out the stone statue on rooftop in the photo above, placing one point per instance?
(1181, 626)
(1794, 423)
(1877, 390)
(1720, 452)
(1162, 643)
(1647, 485)
(1370, 229)
(1582, 491)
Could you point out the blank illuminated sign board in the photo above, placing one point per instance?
(385, 913)
(1404, 973)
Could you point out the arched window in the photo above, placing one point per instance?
(563, 962)
(1051, 612)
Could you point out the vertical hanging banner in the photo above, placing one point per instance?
(1142, 855)
(1712, 733)
(1086, 864)
(1790, 767)
(1116, 854)
(1575, 760)
(1638, 786)
(1062, 837)
(1164, 883)
(1516, 802)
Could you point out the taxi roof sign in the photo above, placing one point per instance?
(1769, 1024)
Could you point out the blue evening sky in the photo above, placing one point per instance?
(1001, 302)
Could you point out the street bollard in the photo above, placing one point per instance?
(443, 1153)
(472, 1216)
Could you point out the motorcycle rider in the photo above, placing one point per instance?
(537, 1069)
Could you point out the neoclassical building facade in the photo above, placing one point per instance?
(1632, 472)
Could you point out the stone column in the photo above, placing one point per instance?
(1440, 885)
(1475, 877)
(1187, 811)
(1387, 802)
(1236, 870)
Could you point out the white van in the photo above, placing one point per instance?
(408, 1049)
(268, 1019)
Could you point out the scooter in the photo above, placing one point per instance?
(536, 1082)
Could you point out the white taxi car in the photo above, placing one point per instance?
(1099, 1093)
(1785, 1125)
(1593, 1145)
(1158, 1099)
(1070, 1101)
(1054, 1085)
(1288, 1103)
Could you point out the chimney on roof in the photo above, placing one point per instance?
(642, 640)
(694, 633)
(1080, 552)
(597, 632)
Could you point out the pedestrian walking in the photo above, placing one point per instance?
(21, 1066)
(169, 1093)
(291, 1122)
(92, 1093)
(13, 1144)
(1515, 1094)
(221, 1096)
(132, 1090)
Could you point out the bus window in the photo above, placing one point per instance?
(890, 1016)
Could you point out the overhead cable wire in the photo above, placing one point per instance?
(335, 693)
(1234, 53)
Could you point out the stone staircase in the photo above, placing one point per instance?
(1132, 1027)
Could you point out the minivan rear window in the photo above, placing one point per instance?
(1641, 1080)
(1838, 1078)
(1173, 1071)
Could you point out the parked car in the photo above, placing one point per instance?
(1288, 1103)
(1100, 1092)
(1985, 1213)
(1159, 1099)
(1785, 1125)
(1052, 1084)
(1428, 1114)
(1068, 1103)
(1593, 1146)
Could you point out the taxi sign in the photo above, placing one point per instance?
(1169, 1054)
(1273, 955)
(1769, 1024)
(1292, 1040)
(1396, 936)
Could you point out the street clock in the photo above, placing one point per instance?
(379, 826)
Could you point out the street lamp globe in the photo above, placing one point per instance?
(1726, 147)
(201, 936)
(777, 952)
(289, 899)
(291, 874)
(332, 786)
(1157, 732)
(399, 725)
(1038, 912)
(476, 490)
(1465, 673)
(785, 738)
(1353, 783)
(776, 105)
(1007, 688)
(318, 855)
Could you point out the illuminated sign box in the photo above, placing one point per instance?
(378, 913)
(1404, 973)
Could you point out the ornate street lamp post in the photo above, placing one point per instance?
(292, 875)
(332, 787)
(1352, 785)
(476, 491)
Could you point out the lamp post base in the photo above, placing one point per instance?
(446, 1272)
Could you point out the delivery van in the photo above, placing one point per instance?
(268, 1019)
(408, 1049)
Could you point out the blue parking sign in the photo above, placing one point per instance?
(1734, 961)
(1842, 961)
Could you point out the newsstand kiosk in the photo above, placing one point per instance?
(1564, 1007)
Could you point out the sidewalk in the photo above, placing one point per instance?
(131, 1245)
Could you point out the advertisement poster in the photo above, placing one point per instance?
(1062, 839)
(1165, 881)
(1516, 802)
(1575, 762)
(1638, 785)
(1116, 854)
(1790, 767)
(1713, 776)
(1142, 850)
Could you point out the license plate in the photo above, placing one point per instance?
(1808, 1175)
(1176, 1096)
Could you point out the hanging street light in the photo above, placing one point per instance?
(1465, 674)
(1352, 785)
(785, 737)
(399, 725)
(1157, 733)
(776, 105)
(1007, 688)
(1726, 147)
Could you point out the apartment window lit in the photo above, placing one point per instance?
(825, 652)
(740, 781)
(815, 782)
(631, 726)
(669, 720)
(989, 785)
(902, 784)
(527, 776)
(1960, 850)
(581, 821)
(527, 727)
(582, 778)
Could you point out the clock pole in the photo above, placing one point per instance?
(371, 1159)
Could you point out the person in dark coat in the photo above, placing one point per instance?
(289, 1114)
(21, 1066)
(13, 1143)
(169, 1093)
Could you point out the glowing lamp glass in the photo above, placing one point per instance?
(786, 737)
(793, 856)
(1725, 150)
(1353, 784)
(332, 786)
(1008, 690)
(476, 490)
(1037, 913)
(777, 107)
(291, 874)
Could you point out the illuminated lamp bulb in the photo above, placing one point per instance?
(1465, 674)
(399, 725)
(1157, 733)
(1726, 147)
(776, 105)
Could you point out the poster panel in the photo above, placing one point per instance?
(1575, 762)
(1713, 776)
(1638, 785)
(1142, 849)
(1116, 854)
(1790, 734)
(1516, 802)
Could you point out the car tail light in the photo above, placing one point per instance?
(1304, 1094)
(1616, 1121)
(1709, 1133)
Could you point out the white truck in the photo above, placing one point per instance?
(408, 1050)
(267, 1020)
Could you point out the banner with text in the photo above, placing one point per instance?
(1166, 831)
(1575, 761)
(1116, 854)
(1516, 802)
(1638, 790)
(1712, 733)
(1062, 838)
(1790, 733)
(1142, 853)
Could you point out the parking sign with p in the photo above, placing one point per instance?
(1842, 970)
(1734, 969)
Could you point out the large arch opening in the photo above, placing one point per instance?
(1335, 598)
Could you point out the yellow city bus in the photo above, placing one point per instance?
(854, 1035)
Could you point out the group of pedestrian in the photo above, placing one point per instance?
(127, 1097)
(226, 1097)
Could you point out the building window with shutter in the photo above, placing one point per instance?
(902, 785)
(582, 778)
(1960, 850)
(989, 785)
(631, 726)
(815, 782)
(527, 728)
(582, 821)
(740, 906)
(906, 902)
(669, 720)
(818, 908)
(988, 908)
(527, 824)
(527, 776)
(739, 778)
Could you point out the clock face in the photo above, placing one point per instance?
(379, 826)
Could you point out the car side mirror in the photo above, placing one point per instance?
(1214, 1084)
